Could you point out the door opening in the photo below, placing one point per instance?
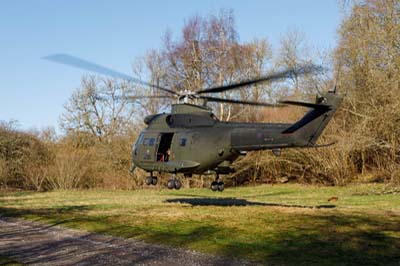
(164, 149)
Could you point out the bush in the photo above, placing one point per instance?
(19, 154)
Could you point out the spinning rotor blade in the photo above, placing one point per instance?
(221, 100)
(273, 77)
(147, 97)
(86, 65)
(133, 98)
(308, 105)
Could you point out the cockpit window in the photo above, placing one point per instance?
(151, 141)
(139, 140)
(145, 141)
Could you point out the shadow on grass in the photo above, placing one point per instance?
(307, 239)
(194, 195)
(23, 212)
(333, 240)
(239, 202)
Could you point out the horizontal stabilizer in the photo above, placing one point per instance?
(309, 105)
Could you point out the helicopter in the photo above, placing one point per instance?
(191, 140)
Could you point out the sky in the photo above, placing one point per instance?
(114, 33)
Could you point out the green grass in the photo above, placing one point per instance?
(278, 225)
(5, 261)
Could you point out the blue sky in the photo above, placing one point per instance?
(114, 33)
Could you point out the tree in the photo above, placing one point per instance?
(100, 107)
(209, 54)
(368, 57)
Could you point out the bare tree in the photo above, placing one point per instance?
(100, 107)
(293, 53)
(368, 55)
(209, 54)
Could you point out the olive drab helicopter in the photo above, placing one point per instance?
(191, 140)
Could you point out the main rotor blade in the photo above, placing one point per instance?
(273, 77)
(133, 98)
(308, 105)
(222, 100)
(86, 65)
(147, 97)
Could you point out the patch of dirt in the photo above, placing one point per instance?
(35, 243)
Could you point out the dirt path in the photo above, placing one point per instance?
(34, 243)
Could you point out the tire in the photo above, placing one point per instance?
(171, 184)
(154, 180)
(221, 186)
(178, 184)
(214, 186)
(149, 180)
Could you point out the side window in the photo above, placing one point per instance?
(182, 142)
(151, 141)
(145, 141)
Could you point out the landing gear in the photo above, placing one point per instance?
(217, 185)
(178, 184)
(174, 183)
(151, 180)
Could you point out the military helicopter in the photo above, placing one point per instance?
(191, 140)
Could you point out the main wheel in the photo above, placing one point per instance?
(221, 186)
(149, 180)
(178, 184)
(154, 180)
(171, 184)
(214, 186)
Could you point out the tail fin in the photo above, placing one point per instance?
(308, 129)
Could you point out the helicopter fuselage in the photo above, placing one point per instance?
(191, 140)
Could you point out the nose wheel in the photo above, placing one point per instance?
(174, 183)
(217, 185)
(151, 180)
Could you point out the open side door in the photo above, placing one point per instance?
(164, 147)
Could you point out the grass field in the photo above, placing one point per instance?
(278, 225)
(5, 261)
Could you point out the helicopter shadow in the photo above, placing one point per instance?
(229, 202)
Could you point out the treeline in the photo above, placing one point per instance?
(37, 161)
(103, 118)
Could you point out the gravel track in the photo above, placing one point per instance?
(35, 243)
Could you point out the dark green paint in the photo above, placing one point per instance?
(202, 144)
